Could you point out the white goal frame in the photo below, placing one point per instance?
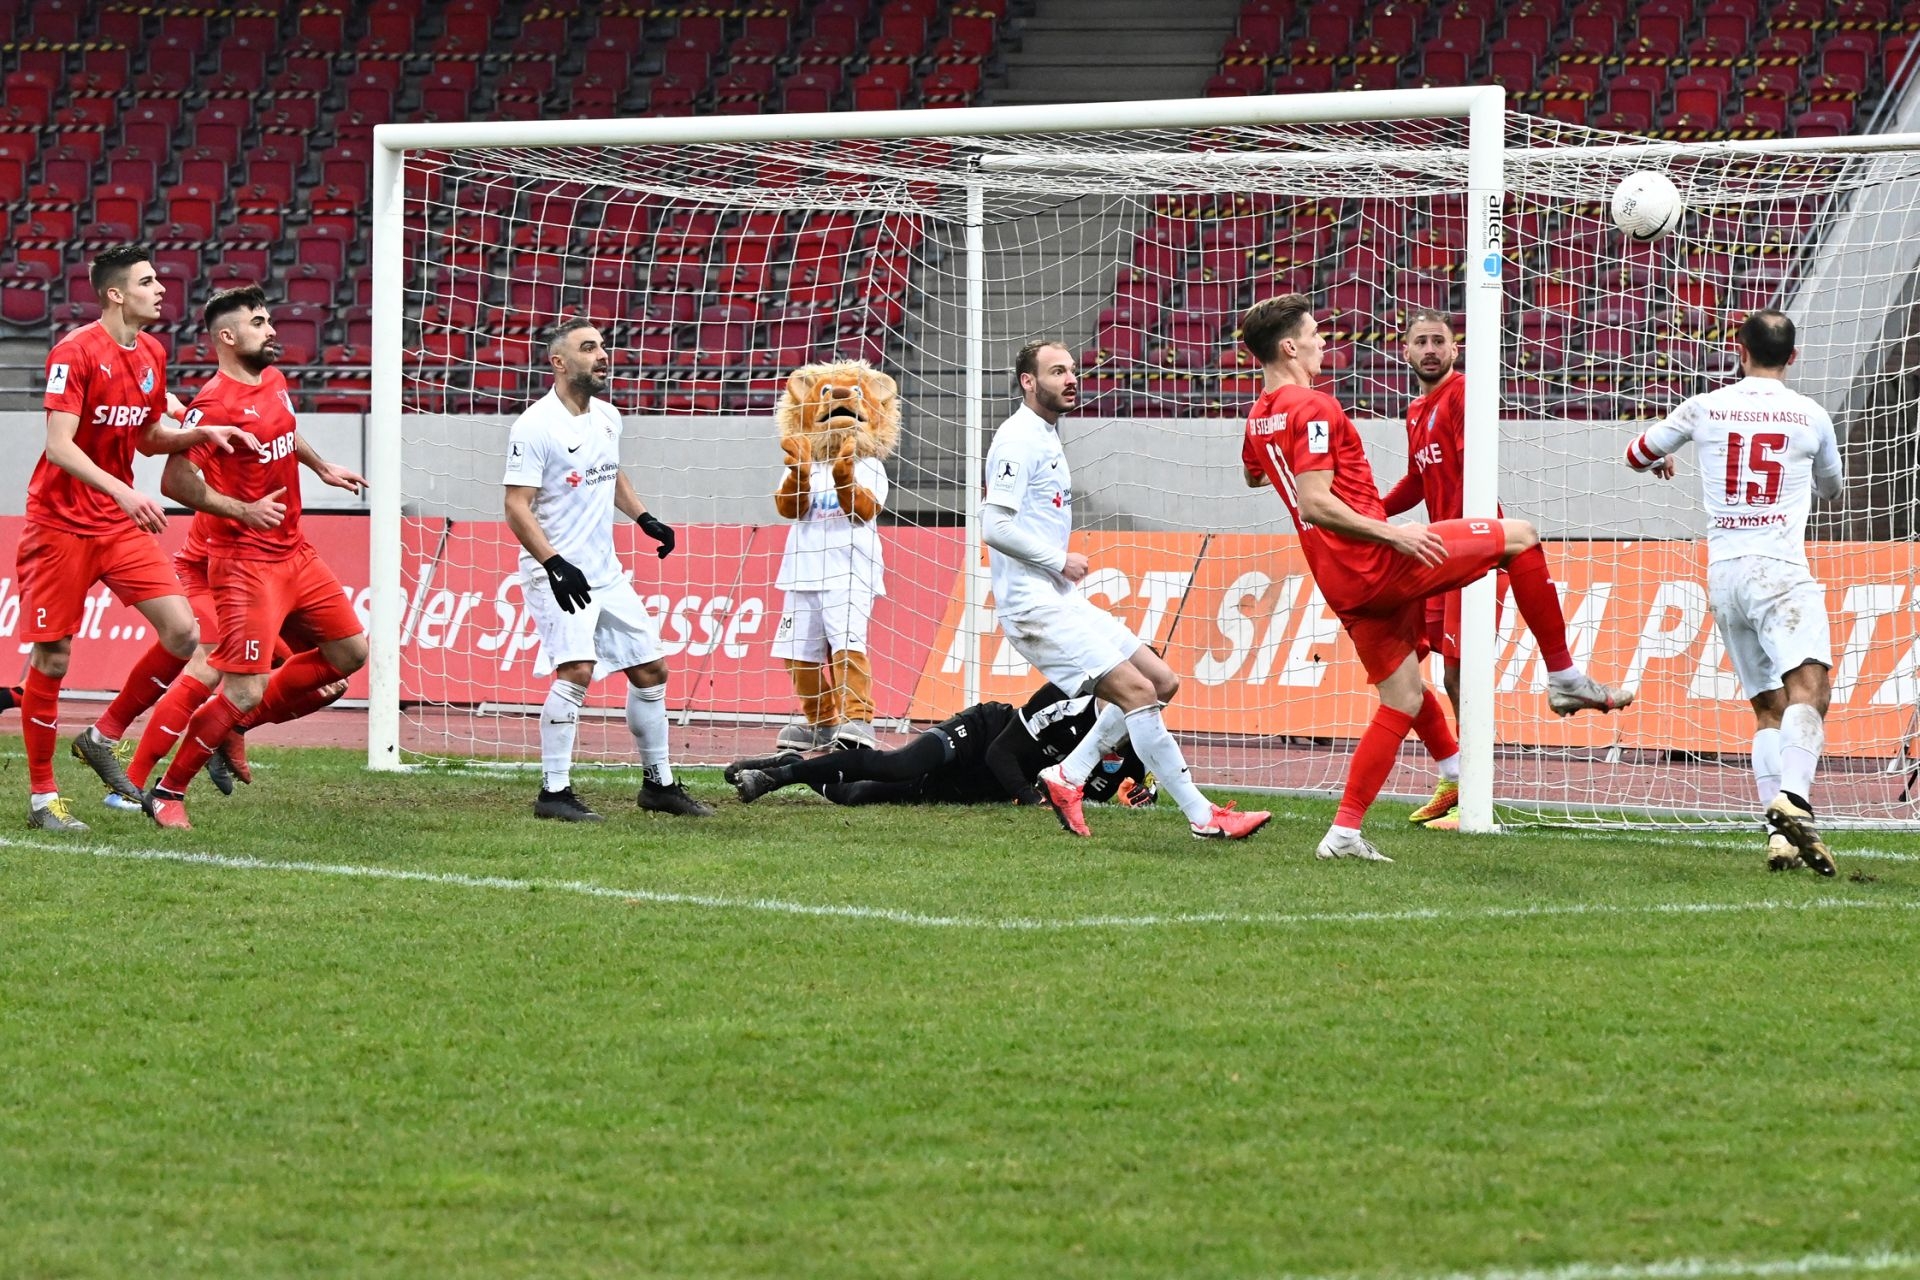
(1482, 108)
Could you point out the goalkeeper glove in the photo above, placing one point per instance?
(570, 588)
(1136, 795)
(661, 533)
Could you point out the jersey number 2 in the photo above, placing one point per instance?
(1753, 474)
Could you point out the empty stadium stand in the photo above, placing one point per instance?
(239, 145)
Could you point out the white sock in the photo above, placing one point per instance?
(647, 722)
(1109, 731)
(1766, 763)
(1340, 835)
(41, 799)
(1566, 679)
(1449, 768)
(1802, 734)
(1161, 754)
(559, 723)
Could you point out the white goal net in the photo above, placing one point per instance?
(717, 267)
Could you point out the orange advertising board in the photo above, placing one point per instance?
(1258, 652)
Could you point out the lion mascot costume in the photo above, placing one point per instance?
(837, 424)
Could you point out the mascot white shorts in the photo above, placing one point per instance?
(1072, 642)
(819, 623)
(613, 630)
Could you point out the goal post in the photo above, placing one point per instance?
(1481, 110)
(719, 253)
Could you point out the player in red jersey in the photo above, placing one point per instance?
(1436, 475)
(196, 683)
(1375, 576)
(262, 570)
(106, 397)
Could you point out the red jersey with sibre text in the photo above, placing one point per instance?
(117, 393)
(1295, 429)
(265, 412)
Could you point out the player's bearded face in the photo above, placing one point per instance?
(1056, 388)
(1431, 352)
(588, 367)
(255, 343)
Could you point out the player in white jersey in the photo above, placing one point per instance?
(564, 487)
(1026, 523)
(1765, 451)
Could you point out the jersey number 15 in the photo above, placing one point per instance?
(1753, 473)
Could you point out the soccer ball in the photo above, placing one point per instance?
(1646, 206)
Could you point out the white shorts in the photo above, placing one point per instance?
(1772, 618)
(613, 630)
(1072, 643)
(819, 623)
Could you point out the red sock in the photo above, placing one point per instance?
(1539, 605)
(40, 727)
(294, 690)
(164, 727)
(1372, 761)
(1431, 727)
(146, 684)
(206, 731)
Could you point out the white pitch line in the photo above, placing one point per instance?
(922, 920)
(1675, 1269)
(1726, 844)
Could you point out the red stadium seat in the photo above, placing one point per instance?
(1512, 63)
(954, 86)
(28, 99)
(124, 27)
(1463, 27)
(23, 307)
(55, 22)
(1446, 63)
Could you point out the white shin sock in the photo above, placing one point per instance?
(1766, 763)
(1802, 734)
(1160, 753)
(647, 722)
(1108, 732)
(559, 723)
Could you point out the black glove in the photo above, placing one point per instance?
(569, 584)
(660, 533)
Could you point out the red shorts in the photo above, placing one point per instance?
(255, 599)
(1443, 618)
(1393, 623)
(192, 572)
(57, 569)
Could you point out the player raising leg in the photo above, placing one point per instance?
(1436, 475)
(1375, 576)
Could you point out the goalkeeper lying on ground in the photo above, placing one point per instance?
(989, 752)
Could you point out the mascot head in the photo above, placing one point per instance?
(832, 403)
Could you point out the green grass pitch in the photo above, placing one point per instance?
(800, 1041)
